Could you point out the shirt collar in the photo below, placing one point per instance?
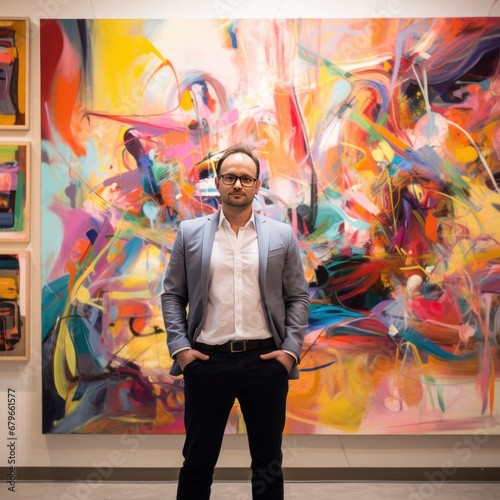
(251, 221)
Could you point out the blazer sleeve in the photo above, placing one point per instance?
(296, 298)
(174, 299)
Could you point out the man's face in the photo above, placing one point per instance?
(238, 164)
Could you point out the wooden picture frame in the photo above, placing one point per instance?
(15, 193)
(14, 73)
(14, 306)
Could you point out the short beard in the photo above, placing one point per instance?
(244, 202)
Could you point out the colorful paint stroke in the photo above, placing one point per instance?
(14, 50)
(379, 142)
(13, 333)
(14, 192)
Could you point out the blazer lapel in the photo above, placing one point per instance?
(206, 251)
(263, 244)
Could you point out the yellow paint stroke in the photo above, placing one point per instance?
(466, 154)
(64, 359)
(120, 64)
(480, 155)
(83, 295)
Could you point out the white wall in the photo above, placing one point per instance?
(35, 449)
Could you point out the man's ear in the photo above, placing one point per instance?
(216, 180)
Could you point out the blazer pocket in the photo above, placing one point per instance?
(276, 251)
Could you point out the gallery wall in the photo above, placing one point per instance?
(34, 449)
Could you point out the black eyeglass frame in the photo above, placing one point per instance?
(236, 178)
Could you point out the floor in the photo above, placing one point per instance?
(241, 491)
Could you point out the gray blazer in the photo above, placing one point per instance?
(284, 291)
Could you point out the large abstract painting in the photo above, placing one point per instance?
(379, 141)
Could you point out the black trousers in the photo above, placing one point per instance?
(211, 387)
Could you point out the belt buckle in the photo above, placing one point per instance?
(238, 345)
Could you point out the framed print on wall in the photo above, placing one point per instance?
(15, 192)
(14, 73)
(14, 332)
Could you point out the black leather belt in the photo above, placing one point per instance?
(237, 345)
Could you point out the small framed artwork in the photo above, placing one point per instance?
(14, 297)
(15, 191)
(14, 73)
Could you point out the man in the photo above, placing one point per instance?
(241, 275)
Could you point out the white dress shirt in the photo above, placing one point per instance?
(234, 309)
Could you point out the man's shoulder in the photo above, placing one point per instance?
(198, 221)
(277, 225)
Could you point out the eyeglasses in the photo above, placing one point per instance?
(230, 180)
